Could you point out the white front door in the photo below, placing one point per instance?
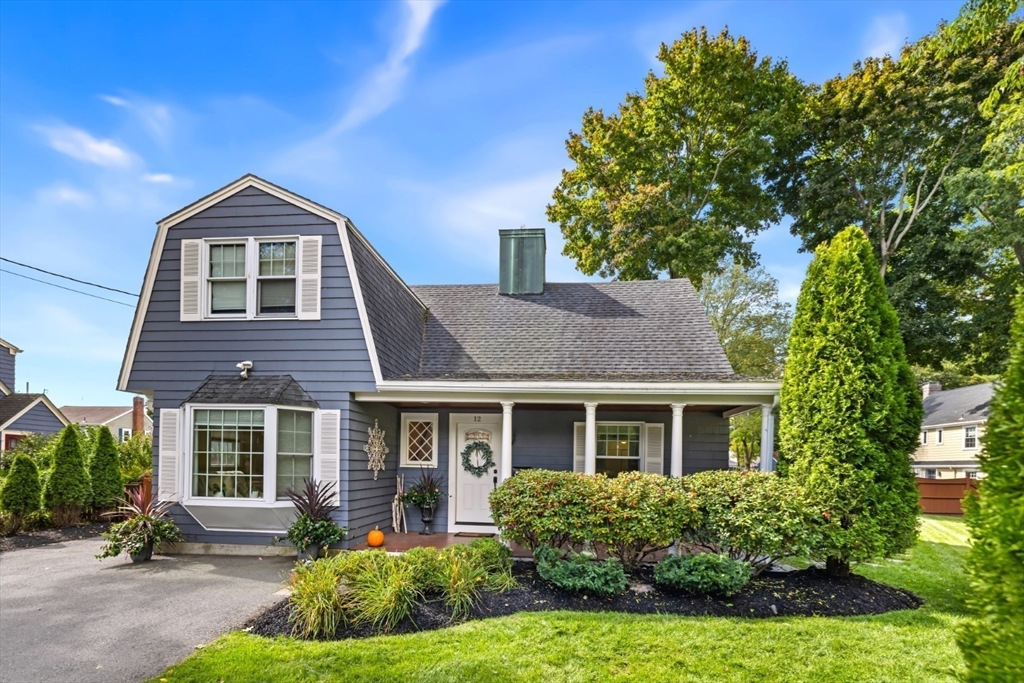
(471, 491)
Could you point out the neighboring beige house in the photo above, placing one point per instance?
(121, 420)
(954, 422)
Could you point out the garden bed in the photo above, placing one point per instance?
(801, 593)
(35, 539)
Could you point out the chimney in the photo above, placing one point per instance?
(138, 415)
(522, 261)
(929, 388)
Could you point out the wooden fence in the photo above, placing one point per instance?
(943, 496)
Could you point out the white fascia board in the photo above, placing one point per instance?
(11, 348)
(769, 388)
(45, 401)
(210, 200)
(5, 390)
(947, 425)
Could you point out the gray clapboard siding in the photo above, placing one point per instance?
(328, 357)
(7, 363)
(39, 419)
(412, 474)
(366, 503)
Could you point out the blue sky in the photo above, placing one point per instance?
(431, 126)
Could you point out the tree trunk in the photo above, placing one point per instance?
(837, 566)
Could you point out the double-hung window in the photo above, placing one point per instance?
(618, 448)
(294, 450)
(970, 438)
(251, 278)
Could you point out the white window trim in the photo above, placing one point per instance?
(269, 498)
(251, 278)
(643, 441)
(977, 438)
(924, 437)
(938, 437)
(404, 439)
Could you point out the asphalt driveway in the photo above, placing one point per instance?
(66, 616)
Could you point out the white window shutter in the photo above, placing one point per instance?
(191, 280)
(579, 447)
(169, 455)
(309, 278)
(655, 448)
(329, 450)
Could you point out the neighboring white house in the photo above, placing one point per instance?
(951, 432)
(122, 421)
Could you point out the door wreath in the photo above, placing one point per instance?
(486, 455)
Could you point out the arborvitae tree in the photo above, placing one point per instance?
(991, 642)
(67, 490)
(851, 410)
(105, 472)
(21, 492)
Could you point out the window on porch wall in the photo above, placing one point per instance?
(618, 448)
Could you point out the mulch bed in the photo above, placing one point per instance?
(34, 539)
(801, 593)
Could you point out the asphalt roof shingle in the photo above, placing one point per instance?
(13, 404)
(280, 390)
(653, 330)
(966, 404)
(94, 415)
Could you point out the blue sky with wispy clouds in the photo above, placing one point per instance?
(430, 125)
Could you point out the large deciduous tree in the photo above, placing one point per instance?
(851, 410)
(991, 642)
(752, 324)
(675, 179)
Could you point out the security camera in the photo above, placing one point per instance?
(245, 366)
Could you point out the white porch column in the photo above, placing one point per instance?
(676, 465)
(767, 464)
(506, 439)
(590, 444)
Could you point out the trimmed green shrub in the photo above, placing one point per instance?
(991, 642)
(428, 567)
(578, 572)
(21, 492)
(495, 558)
(851, 411)
(545, 507)
(105, 472)
(756, 517)
(704, 574)
(67, 490)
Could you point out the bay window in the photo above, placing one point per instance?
(294, 450)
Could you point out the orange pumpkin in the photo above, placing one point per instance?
(375, 538)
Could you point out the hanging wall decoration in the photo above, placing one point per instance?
(376, 449)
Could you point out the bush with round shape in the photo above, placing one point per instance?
(579, 572)
(67, 491)
(105, 472)
(755, 517)
(704, 574)
(20, 495)
(991, 641)
(851, 410)
(546, 507)
(640, 514)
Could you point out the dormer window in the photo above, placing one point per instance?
(274, 277)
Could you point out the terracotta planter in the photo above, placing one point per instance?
(145, 555)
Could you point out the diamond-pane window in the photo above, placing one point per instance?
(419, 440)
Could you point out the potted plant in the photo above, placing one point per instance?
(145, 525)
(425, 493)
(313, 528)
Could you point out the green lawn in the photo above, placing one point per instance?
(565, 646)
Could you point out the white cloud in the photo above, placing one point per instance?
(384, 86)
(116, 101)
(78, 144)
(155, 117)
(886, 35)
(158, 177)
(64, 194)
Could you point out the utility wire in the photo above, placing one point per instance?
(83, 282)
(77, 291)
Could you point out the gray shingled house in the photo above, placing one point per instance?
(254, 280)
(952, 430)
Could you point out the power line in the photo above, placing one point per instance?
(83, 282)
(76, 291)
